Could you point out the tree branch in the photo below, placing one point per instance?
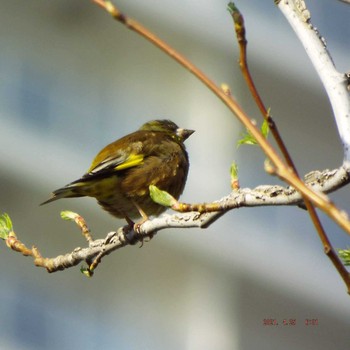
(335, 83)
(326, 181)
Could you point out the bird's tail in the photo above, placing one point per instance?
(68, 191)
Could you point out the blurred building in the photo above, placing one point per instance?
(73, 80)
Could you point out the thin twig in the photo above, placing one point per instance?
(243, 63)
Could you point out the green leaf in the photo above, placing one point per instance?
(161, 197)
(68, 215)
(86, 272)
(249, 139)
(5, 226)
(265, 128)
(344, 254)
(234, 171)
(231, 7)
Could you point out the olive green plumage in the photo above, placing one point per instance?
(120, 175)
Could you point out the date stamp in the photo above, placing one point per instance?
(311, 321)
(290, 322)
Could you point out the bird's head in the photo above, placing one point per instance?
(168, 127)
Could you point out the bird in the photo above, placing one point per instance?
(121, 173)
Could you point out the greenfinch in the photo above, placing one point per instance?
(121, 173)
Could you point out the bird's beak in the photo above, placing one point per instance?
(184, 133)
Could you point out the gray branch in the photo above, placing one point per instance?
(268, 195)
(335, 83)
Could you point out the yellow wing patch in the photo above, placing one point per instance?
(133, 160)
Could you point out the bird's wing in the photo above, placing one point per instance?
(116, 163)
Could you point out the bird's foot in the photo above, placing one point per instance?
(136, 228)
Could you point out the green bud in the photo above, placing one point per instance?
(86, 272)
(69, 215)
(6, 226)
(161, 197)
(344, 254)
